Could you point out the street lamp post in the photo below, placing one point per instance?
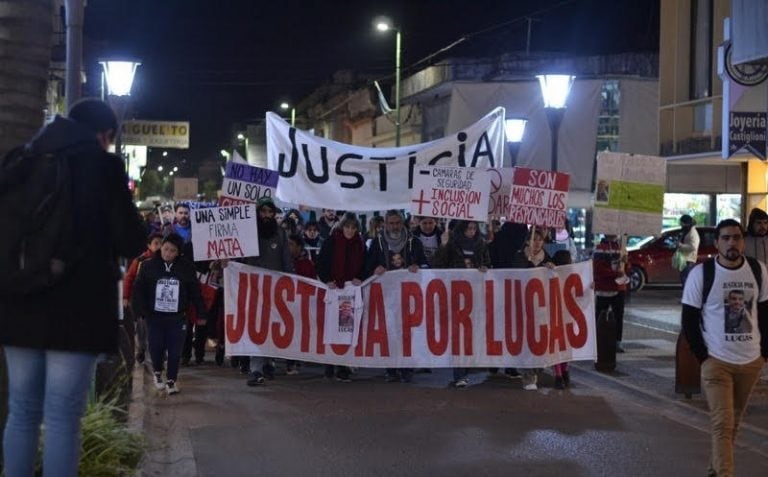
(119, 77)
(554, 90)
(384, 25)
(285, 107)
(514, 129)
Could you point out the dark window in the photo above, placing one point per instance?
(701, 49)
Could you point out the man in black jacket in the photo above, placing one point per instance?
(52, 338)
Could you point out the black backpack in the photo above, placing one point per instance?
(37, 240)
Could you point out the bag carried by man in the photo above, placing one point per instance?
(37, 242)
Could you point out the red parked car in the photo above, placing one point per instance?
(650, 260)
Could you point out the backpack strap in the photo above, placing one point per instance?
(756, 271)
(709, 279)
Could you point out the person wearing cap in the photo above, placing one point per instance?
(688, 245)
(274, 254)
(756, 241)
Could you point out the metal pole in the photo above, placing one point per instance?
(293, 117)
(74, 13)
(397, 89)
(554, 118)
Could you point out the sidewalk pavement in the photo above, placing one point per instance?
(216, 415)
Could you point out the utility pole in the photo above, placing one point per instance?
(75, 13)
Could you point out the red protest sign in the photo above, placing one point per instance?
(539, 197)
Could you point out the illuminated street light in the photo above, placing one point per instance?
(240, 137)
(170, 173)
(159, 168)
(555, 90)
(514, 129)
(165, 153)
(384, 25)
(285, 106)
(119, 76)
(175, 169)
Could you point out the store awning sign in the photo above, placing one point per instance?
(747, 130)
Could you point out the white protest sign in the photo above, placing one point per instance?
(451, 192)
(629, 194)
(225, 232)
(245, 183)
(539, 197)
(501, 189)
(333, 175)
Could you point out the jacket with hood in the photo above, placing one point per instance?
(181, 272)
(81, 312)
(756, 246)
(506, 250)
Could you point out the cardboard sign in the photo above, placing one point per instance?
(451, 192)
(184, 188)
(629, 194)
(225, 232)
(246, 183)
(539, 197)
(529, 318)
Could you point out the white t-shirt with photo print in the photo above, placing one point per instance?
(730, 314)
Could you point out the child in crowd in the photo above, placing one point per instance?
(165, 286)
(304, 267)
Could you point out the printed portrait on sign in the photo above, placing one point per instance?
(737, 306)
(603, 191)
(346, 315)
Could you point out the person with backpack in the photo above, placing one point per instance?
(58, 286)
(731, 358)
(164, 289)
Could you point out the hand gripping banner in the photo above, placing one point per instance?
(526, 318)
(333, 175)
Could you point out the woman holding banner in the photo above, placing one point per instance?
(466, 248)
(341, 260)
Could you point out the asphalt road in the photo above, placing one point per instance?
(628, 423)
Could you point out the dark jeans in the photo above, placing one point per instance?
(166, 334)
(617, 305)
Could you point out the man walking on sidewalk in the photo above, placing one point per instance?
(731, 359)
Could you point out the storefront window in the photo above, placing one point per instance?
(728, 207)
(695, 205)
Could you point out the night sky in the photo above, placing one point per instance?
(215, 63)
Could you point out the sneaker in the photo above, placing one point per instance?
(292, 371)
(343, 378)
(531, 387)
(255, 379)
(171, 387)
(619, 347)
(461, 383)
(159, 383)
(513, 373)
(566, 378)
(559, 382)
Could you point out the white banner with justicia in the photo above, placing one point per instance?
(334, 175)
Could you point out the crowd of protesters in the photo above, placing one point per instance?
(334, 247)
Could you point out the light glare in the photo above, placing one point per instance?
(555, 89)
(119, 75)
(514, 129)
